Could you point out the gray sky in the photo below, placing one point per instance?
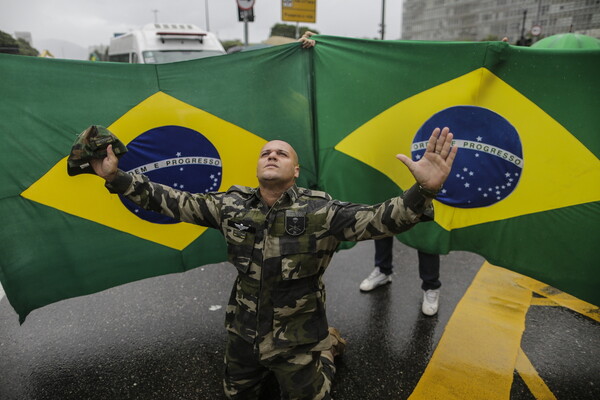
(92, 22)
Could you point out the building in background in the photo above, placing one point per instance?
(26, 36)
(494, 19)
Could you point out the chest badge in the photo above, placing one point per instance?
(295, 224)
(239, 229)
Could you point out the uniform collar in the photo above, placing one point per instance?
(293, 193)
(289, 196)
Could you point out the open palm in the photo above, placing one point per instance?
(434, 167)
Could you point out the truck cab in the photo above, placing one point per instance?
(164, 43)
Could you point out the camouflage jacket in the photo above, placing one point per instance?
(281, 253)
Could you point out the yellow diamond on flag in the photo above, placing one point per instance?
(85, 195)
(558, 170)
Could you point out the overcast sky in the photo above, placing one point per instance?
(92, 22)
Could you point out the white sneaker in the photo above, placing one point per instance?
(430, 302)
(375, 279)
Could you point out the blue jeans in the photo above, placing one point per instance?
(429, 264)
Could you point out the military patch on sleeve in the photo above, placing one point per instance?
(295, 223)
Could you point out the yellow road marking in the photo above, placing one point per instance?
(543, 301)
(475, 358)
(561, 298)
(536, 385)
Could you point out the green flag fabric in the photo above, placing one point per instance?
(525, 124)
(67, 236)
(524, 188)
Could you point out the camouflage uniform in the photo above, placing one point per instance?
(276, 313)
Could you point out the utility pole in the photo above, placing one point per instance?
(522, 40)
(155, 16)
(245, 29)
(206, 15)
(382, 19)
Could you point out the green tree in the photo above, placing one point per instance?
(26, 49)
(227, 44)
(8, 44)
(287, 30)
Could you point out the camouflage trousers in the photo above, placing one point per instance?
(302, 375)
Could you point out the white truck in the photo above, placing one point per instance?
(164, 43)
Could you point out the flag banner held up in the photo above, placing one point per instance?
(523, 192)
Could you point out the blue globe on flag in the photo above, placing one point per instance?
(175, 156)
(489, 162)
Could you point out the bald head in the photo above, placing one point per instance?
(277, 164)
(280, 144)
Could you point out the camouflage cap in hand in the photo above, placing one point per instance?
(90, 144)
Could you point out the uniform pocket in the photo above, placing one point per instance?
(298, 257)
(240, 317)
(240, 237)
(298, 316)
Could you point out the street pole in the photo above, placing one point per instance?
(155, 16)
(523, 28)
(206, 14)
(382, 19)
(245, 29)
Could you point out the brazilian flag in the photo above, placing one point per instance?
(523, 192)
(524, 189)
(197, 126)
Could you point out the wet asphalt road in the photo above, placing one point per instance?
(163, 338)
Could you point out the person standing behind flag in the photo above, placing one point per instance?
(429, 272)
(429, 264)
(281, 239)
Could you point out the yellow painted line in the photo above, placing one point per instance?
(536, 385)
(543, 301)
(562, 298)
(475, 358)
